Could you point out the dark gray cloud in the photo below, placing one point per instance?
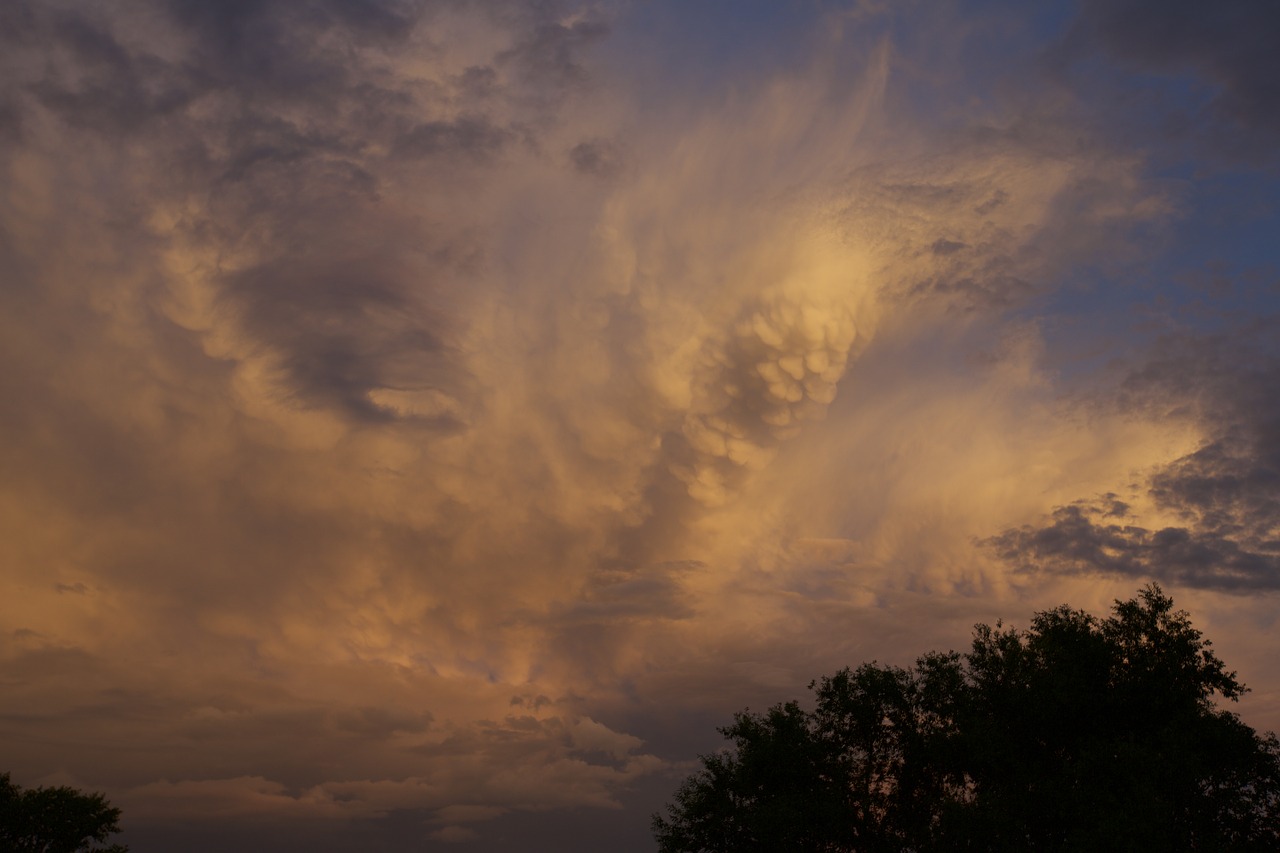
(381, 722)
(343, 327)
(1228, 46)
(470, 136)
(265, 50)
(1225, 495)
(1079, 540)
(602, 158)
(228, 26)
(650, 593)
(550, 51)
(279, 128)
(96, 74)
(943, 246)
(103, 85)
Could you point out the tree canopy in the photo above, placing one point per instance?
(55, 820)
(1077, 733)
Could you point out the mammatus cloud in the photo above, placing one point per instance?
(406, 427)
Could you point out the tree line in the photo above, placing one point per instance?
(55, 820)
(1076, 734)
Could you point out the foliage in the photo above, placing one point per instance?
(55, 820)
(1075, 734)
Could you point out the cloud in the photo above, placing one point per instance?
(1225, 46)
(411, 422)
(549, 51)
(454, 834)
(1222, 499)
(599, 157)
(476, 774)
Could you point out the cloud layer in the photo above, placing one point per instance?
(419, 419)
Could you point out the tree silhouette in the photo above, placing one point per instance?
(55, 820)
(1075, 734)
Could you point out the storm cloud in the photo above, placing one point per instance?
(427, 420)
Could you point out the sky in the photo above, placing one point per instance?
(425, 421)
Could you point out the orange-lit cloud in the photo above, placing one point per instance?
(403, 410)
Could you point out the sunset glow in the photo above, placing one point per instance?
(426, 421)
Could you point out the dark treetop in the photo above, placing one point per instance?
(1077, 734)
(55, 820)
